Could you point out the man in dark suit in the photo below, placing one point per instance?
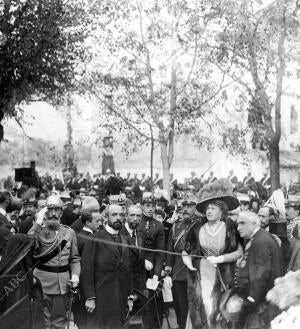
(27, 218)
(91, 220)
(260, 265)
(134, 215)
(153, 234)
(107, 275)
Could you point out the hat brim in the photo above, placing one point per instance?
(231, 201)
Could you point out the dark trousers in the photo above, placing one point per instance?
(55, 311)
(180, 302)
(79, 311)
(153, 311)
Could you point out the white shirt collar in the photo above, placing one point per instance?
(110, 230)
(2, 211)
(87, 229)
(130, 230)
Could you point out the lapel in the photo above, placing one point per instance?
(123, 248)
(115, 250)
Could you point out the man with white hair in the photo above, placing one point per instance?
(59, 261)
(260, 265)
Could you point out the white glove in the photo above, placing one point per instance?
(187, 261)
(148, 265)
(215, 260)
(21, 211)
(155, 278)
(40, 216)
(75, 280)
(168, 282)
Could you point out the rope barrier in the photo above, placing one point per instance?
(118, 244)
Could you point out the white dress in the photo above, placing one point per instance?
(212, 243)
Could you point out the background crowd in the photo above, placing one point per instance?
(214, 220)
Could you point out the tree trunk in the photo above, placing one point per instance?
(275, 139)
(274, 164)
(151, 158)
(166, 166)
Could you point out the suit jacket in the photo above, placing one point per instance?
(3, 220)
(152, 233)
(261, 264)
(294, 264)
(137, 261)
(26, 224)
(81, 240)
(106, 276)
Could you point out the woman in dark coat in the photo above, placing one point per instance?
(216, 239)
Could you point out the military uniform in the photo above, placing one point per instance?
(176, 243)
(152, 234)
(55, 273)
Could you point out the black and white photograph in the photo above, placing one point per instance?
(149, 164)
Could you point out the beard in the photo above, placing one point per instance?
(133, 226)
(116, 225)
(52, 224)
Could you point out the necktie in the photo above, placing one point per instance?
(133, 236)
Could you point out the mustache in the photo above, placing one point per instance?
(52, 224)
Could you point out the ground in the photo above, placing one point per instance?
(171, 319)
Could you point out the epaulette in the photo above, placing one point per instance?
(66, 227)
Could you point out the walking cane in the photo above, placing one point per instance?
(72, 291)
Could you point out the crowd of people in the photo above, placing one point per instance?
(215, 245)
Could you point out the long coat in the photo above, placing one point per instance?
(262, 264)
(106, 276)
(137, 262)
(153, 234)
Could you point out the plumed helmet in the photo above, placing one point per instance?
(54, 201)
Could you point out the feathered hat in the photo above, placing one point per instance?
(218, 190)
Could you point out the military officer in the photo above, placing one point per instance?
(152, 234)
(174, 264)
(58, 261)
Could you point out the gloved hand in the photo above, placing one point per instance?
(130, 305)
(39, 217)
(148, 265)
(187, 261)
(155, 278)
(74, 280)
(215, 260)
(168, 282)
